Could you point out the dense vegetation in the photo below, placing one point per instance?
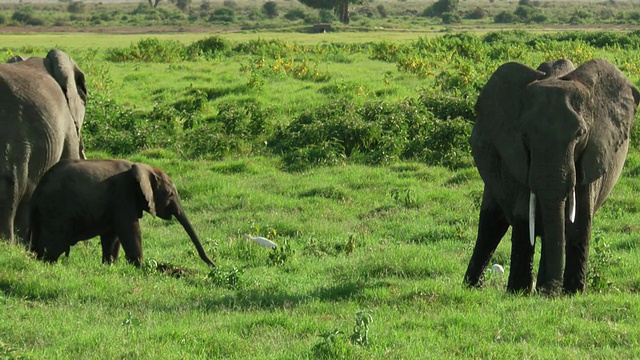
(353, 156)
(287, 15)
(339, 120)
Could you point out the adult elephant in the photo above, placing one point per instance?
(80, 199)
(42, 106)
(549, 150)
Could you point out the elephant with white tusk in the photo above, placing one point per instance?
(80, 199)
(42, 106)
(549, 146)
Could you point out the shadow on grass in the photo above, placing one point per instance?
(24, 292)
(252, 299)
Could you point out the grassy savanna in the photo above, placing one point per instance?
(378, 223)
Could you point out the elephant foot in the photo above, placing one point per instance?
(574, 287)
(550, 289)
(521, 286)
(473, 279)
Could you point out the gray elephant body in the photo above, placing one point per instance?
(548, 137)
(80, 199)
(42, 104)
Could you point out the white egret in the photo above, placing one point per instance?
(264, 242)
(497, 269)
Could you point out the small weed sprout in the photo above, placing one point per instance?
(280, 254)
(131, 321)
(350, 246)
(335, 345)
(150, 266)
(601, 259)
(360, 334)
(404, 197)
(230, 279)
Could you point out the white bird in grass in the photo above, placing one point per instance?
(497, 269)
(264, 242)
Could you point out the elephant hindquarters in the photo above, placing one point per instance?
(13, 186)
(44, 239)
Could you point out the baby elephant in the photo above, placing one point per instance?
(80, 199)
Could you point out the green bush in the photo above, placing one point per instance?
(505, 17)
(374, 133)
(444, 105)
(270, 8)
(23, 14)
(327, 16)
(149, 50)
(210, 47)
(76, 7)
(451, 18)
(223, 14)
(295, 14)
(440, 7)
(34, 21)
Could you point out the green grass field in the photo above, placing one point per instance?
(372, 256)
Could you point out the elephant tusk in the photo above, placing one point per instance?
(532, 218)
(572, 209)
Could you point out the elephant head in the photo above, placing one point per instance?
(551, 132)
(556, 69)
(160, 198)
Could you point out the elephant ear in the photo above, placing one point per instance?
(497, 125)
(72, 81)
(144, 176)
(612, 103)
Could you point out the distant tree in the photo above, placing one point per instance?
(75, 7)
(230, 4)
(505, 18)
(223, 14)
(326, 16)
(295, 14)
(339, 7)
(440, 7)
(23, 14)
(476, 14)
(451, 18)
(382, 10)
(183, 5)
(270, 8)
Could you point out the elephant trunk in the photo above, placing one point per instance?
(552, 260)
(184, 221)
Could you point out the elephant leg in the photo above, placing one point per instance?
(492, 226)
(21, 220)
(521, 271)
(129, 234)
(110, 247)
(8, 205)
(578, 240)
